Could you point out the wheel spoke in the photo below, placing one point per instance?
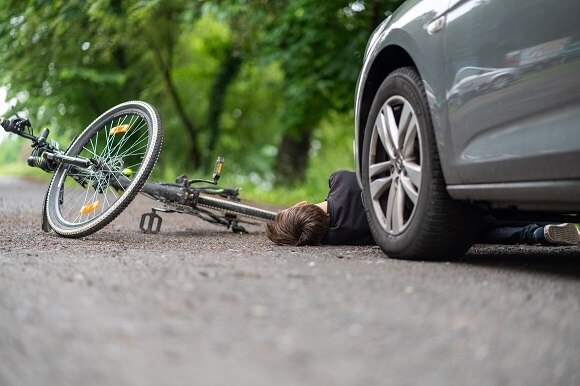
(379, 168)
(408, 147)
(389, 214)
(410, 189)
(393, 129)
(413, 172)
(405, 121)
(382, 129)
(379, 186)
(398, 209)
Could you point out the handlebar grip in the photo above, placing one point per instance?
(43, 136)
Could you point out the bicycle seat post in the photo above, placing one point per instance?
(217, 170)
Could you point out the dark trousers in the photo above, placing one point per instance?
(510, 232)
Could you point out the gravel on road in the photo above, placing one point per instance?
(197, 304)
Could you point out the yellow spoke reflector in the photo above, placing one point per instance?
(119, 129)
(90, 207)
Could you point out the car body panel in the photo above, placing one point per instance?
(412, 18)
(470, 82)
(500, 135)
(516, 132)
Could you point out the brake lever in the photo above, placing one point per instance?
(15, 125)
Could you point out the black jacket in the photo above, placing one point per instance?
(348, 221)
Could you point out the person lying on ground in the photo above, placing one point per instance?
(341, 220)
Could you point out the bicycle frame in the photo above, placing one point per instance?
(213, 204)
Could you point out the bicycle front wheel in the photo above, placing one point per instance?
(123, 145)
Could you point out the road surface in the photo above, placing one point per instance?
(197, 305)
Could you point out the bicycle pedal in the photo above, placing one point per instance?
(150, 223)
(236, 228)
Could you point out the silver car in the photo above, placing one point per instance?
(430, 167)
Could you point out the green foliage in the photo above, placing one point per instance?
(68, 61)
(13, 155)
(331, 150)
(10, 150)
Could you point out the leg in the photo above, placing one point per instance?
(512, 235)
(551, 234)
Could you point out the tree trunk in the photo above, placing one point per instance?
(190, 128)
(163, 58)
(230, 67)
(292, 159)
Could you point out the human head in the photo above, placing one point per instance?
(301, 224)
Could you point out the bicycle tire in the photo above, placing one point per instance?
(235, 207)
(126, 137)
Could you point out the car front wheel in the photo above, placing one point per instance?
(409, 210)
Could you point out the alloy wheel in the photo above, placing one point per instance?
(395, 165)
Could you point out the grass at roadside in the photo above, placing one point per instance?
(331, 150)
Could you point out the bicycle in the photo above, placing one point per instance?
(108, 164)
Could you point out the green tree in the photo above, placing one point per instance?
(78, 58)
(240, 77)
(320, 46)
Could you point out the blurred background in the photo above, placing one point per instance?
(268, 84)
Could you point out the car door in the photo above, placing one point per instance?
(519, 126)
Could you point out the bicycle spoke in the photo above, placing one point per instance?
(122, 139)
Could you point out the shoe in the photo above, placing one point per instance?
(562, 234)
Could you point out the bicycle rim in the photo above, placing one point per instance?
(124, 144)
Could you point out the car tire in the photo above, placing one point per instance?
(410, 213)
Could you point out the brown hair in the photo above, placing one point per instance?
(298, 225)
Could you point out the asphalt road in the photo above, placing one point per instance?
(197, 305)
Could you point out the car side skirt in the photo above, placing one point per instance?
(557, 196)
